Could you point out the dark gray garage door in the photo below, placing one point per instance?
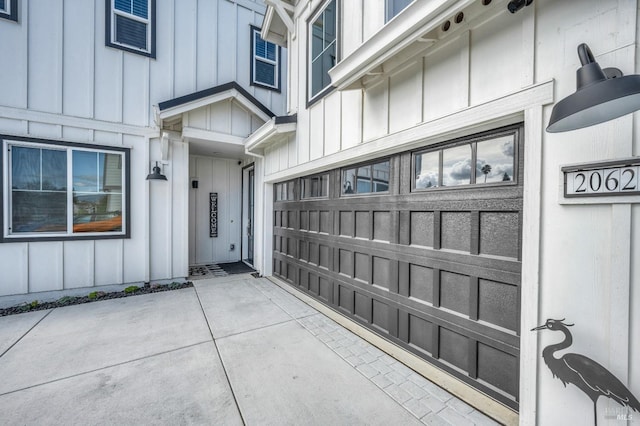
(422, 248)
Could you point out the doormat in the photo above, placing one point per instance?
(212, 270)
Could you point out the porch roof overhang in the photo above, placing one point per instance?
(412, 32)
(278, 22)
(177, 106)
(270, 132)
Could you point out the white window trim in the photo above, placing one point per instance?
(322, 92)
(255, 58)
(146, 21)
(7, 8)
(69, 234)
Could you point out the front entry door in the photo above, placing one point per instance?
(248, 215)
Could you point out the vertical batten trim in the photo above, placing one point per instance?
(528, 50)
(531, 244)
(619, 309)
(465, 65)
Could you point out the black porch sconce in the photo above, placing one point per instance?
(156, 175)
(601, 95)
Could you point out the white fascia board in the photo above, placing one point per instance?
(499, 112)
(269, 132)
(208, 135)
(277, 22)
(209, 100)
(198, 103)
(407, 28)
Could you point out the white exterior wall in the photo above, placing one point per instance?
(60, 82)
(581, 261)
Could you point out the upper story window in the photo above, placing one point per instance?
(58, 191)
(366, 179)
(452, 165)
(265, 62)
(130, 26)
(9, 9)
(394, 7)
(323, 49)
(315, 186)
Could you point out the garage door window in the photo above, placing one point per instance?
(315, 186)
(494, 161)
(366, 179)
(285, 191)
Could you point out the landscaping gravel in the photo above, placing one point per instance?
(92, 297)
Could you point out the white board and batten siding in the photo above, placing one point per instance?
(60, 82)
(222, 177)
(582, 259)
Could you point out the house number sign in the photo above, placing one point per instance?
(213, 214)
(613, 178)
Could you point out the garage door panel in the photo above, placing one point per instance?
(498, 369)
(496, 233)
(417, 255)
(435, 270)
(498, 303)
(454, 292)
(363, 224)
(346, 223)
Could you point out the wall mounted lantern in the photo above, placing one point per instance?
(156, 175)
(601, 95)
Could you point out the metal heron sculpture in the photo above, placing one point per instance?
(589, 376)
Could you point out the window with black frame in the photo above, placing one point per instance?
(62, 191)
(131, 26)
(265, 62)
(488, 161)
(323, 48)
(366, 179)
(285, 191)
(9, 9)
(315, 186)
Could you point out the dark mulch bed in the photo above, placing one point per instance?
(92, 297)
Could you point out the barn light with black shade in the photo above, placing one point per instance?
(156, 174)
(601, 95)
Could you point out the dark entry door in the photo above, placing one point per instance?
(421, 247)
(250, 216)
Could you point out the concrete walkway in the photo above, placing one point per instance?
(232, 350)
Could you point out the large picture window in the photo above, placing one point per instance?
(9, 9)
(323, 49)
(64, 191)
(265, 62)
(130, 26)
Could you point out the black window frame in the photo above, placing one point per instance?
(278, 67)
(68, 236)
(321, 177)
(109, 35)
(12, 13)
(286, 188)
(370, 164)
(313, 98)
(473, 142)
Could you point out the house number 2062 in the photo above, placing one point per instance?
(606, 181)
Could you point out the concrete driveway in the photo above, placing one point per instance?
(232, 350)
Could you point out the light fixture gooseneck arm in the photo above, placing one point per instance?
(601, 95)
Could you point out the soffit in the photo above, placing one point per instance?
(410, 34)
